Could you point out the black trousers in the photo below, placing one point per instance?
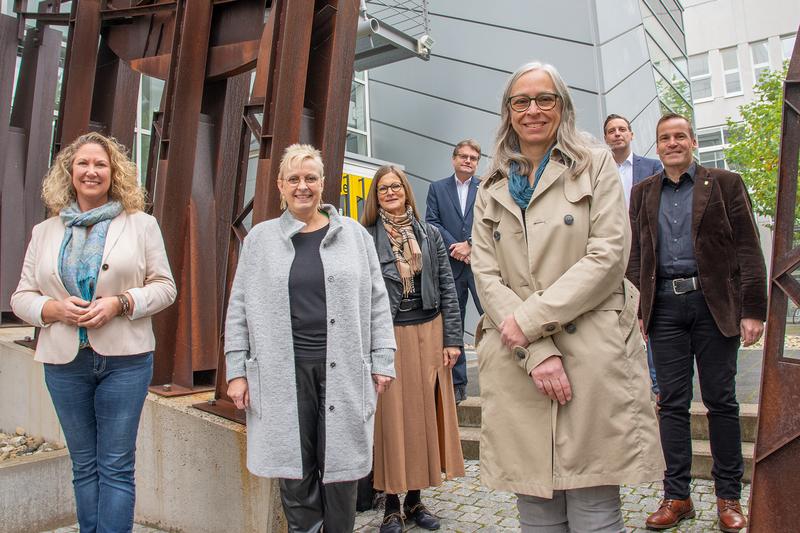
(465, 284)
(683, 331)
(307, 503)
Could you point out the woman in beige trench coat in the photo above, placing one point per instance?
(567, 415)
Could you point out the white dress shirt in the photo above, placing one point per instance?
(463, 190)
(626, 176)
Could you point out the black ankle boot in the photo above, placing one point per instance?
(421, 516)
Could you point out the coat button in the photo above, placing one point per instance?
(105, 266)
(496, 235)
(330, 279)
(568, 220)
(330, 408)
(550, 327)
(333, 321)
(520, 352)
(333, 364)
(570, 328)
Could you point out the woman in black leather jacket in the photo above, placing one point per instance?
(416, 427)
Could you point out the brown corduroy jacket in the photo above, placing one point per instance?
(726, 247)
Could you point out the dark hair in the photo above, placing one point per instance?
(472, 143)
(371, 205)
(613, 116)
(670, 116)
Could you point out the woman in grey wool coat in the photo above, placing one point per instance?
(309, 306)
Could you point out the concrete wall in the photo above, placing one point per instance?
(419, 110)
(25, 400)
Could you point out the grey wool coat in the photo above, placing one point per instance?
(360, 343)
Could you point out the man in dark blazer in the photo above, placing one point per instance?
(633, 169)
(696, 258)
(449, 208)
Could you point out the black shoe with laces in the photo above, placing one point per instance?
(422, 517)
(392, 523)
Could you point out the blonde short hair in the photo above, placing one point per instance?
(58, 191)
(295, 154)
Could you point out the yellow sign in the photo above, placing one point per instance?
(354, 190)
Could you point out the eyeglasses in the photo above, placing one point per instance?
(465, 157)
(544, 101)
(310, 180)
(395, 187)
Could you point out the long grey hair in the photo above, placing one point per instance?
(574, 144)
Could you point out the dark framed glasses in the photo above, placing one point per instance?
(394, 187)
(544, 101)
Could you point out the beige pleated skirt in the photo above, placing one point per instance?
(416, 425)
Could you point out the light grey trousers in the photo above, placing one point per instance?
(593, 509)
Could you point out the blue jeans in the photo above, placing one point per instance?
(99, 401)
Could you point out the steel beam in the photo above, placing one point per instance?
(775, 490)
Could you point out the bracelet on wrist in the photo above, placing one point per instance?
(124, 305)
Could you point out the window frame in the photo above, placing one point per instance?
(728, 71)
(762, 65)
(705, 76)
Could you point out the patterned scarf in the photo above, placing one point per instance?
(519, 187)
(408, 256)
(82, 251)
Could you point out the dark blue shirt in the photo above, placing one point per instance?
(675, 249)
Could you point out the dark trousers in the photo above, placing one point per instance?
(683, 331)
(307, 503)
(465, 284)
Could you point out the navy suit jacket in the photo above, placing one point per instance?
(644, 167)
(444, 212)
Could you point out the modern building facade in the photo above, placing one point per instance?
(617, 56)
(730, 43)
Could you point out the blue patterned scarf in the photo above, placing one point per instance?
(519, 188)
(82, 251)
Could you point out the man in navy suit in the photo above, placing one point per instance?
(449, 208)
(632, 170)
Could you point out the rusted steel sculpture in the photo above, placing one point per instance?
(209, 120)
(776, 489)
(24, 142)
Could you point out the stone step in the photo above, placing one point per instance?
(469, 415)
(701, 453)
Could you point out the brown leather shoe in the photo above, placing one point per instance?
(669, 513)
(731, 518)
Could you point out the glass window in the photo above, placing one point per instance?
(152, 89)
(356, 143)
(358, 116)
(787, 45)
(713, 159)
(760, 53)
(670, 48)
(730, 67)
(712, 143)
(671, 100)
(712, 138)
(700, 76)
(673, 69)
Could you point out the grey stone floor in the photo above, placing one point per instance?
(464, 506)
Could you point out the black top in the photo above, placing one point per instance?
(414, 314)
(675, 249)
(307, 296)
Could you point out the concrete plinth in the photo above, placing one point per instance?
(191, 472)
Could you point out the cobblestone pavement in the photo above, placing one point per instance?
(465, 506)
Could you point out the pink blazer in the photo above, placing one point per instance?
(134, 260)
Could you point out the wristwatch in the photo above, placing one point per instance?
(469, 240)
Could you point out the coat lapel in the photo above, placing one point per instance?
(701, 192)
(473, 191)
(552, 172)
(499, 191)
(115, 229)
(652, 200)
(453, 194)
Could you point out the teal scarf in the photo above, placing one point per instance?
(519, 188)
(82, 251)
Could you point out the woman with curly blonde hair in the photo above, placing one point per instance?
(94, 274)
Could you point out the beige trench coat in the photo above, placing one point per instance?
(561, 275)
